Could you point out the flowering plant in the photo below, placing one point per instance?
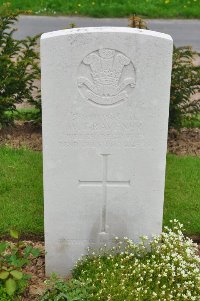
(165, 268)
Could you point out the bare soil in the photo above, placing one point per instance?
(183, 142)
(24, 134)
(36, 269)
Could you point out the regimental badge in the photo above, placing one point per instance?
(106, 77)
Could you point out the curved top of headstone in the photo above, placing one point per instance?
(105, 29)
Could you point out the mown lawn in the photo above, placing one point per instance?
(111, 8)
(21, 190)
(182, 192)
(21, 201)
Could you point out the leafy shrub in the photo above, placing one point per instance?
(61, 290)
(18, 68)
(185, 82)
(166, 268)
(14, 256)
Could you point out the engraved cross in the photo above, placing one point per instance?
(104, 183)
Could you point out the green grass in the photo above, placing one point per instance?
(23, 114)
(111, 8)
(21, 191)
(182, 192)
(21, 201)
(193, 123)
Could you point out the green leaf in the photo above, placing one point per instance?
(4, 275)
(16, 274)
(28, 251)
(14, 234)
(3, 246)
(11, 286)
(35, 252)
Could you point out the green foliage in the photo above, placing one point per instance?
(194, 122)
(13, 257)
(165, 268)
(18, 68)
(185, 83)
(26, 114)
(61, 290)
(3, 294)
(111, 8)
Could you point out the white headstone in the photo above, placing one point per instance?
(105, 95)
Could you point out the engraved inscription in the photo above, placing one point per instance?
(106, 77)
(106, 130)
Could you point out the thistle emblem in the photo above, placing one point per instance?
(107, 76)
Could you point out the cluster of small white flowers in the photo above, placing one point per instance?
(166, 268)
